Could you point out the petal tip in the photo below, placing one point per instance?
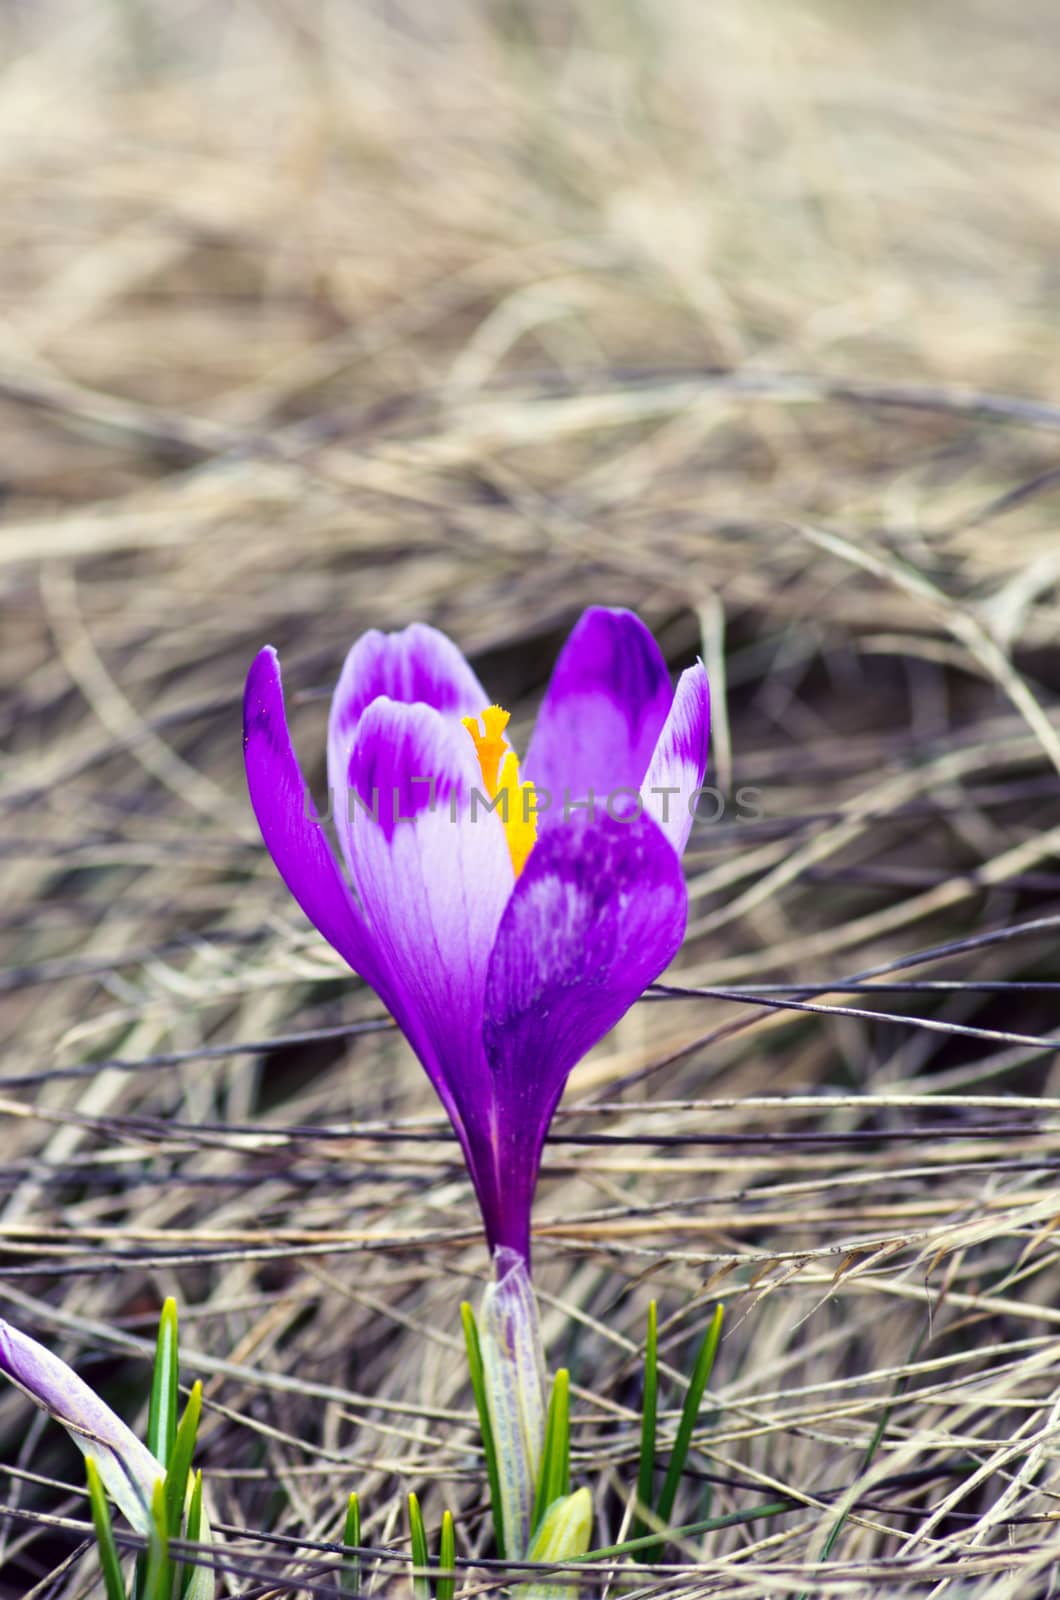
(605, 706)
(263, 683)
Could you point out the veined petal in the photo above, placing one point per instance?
(433, 873)
(417, 666)
(680, 758)
(597, 914)
(289, 824)
(127, 1468)
(603, 710)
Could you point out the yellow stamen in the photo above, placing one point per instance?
(500, 773)
(491, 745)
(521, 822)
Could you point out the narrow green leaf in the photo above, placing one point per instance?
(873, 1445)
(553, 1478)
(445, 1588)
(108, 1550)
(158, 1583)
(689, 1413)
(421, 1587)
(192, 1532)
(561, 1455)
(350, 1573)
(165, 1396)
(176, 1487)
(351, 1533)
(478, 1386)
(646, 1470)
(734, 1519)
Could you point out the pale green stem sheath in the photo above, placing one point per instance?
(562, 1536)
(513, 1369)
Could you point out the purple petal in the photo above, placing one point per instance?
(289, 825)
(418, 666)
(680, 758)
(127, 1468)
(603, 711)
(598, 913)
(433, 879)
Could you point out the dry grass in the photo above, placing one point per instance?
(325, 315)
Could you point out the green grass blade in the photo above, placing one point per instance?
(176, 1485)
(872, 1447)
(553, 1478)
(646, 1470)
(421, 1587)
(113, 1582)
(350, 1573)
(158, 1583)
(478, 1386)
(704, 1365)
(165, 1396)
(445, 1589)
(561, 1457)
(192, 1533)
(734, 1519)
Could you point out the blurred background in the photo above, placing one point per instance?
(320, 315)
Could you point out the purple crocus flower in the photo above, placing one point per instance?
(506, 921)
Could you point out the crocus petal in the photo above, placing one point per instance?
(603, 710)
(289, 824)
(433, 875)
(127, 1468)
(597, 914)
(418, 666)
(680, 759)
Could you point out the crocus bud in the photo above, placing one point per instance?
(563, 1535)
(513, 1369)
(127, 1469)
